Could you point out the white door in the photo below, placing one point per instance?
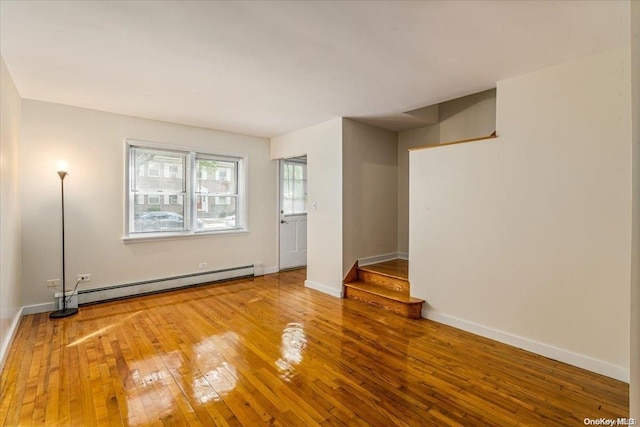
(293, 212)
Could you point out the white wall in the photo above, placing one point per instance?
(10, 224)
(468, 117)
(370, 186)
(634, 398)
(92, 142)
(323, 146)
(526, 238)
(428, 135)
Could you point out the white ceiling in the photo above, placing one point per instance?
(268, 68)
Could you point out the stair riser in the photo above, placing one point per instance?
(384, 281)
(410, 310)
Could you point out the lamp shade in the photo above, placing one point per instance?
(63, 166)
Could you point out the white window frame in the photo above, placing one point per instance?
(190, 174)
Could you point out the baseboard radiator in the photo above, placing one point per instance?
(128, 290)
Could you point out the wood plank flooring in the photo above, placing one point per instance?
(267, 351)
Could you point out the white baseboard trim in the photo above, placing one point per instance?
(38, 308)
(546, 350)
(271, 270)
(403, 255)
(378, 258)
(323, 288)
(13, 329)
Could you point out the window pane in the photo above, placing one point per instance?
(159, 170)
(216, 213)
(215, 176)
(154, 213)
(294, 190)
(298, 189)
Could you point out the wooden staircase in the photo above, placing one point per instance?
(384, 285)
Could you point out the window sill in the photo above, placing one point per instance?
(151, 237)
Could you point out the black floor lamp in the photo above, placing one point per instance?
(64, 312)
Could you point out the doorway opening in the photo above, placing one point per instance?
(293, 212)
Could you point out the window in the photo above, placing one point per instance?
(195, 193)
(294, 194)
(153, 169)
(217, 196)
(172, 170)
(172, 200)
(223, 174)
(201, 174)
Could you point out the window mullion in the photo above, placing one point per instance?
(190, 183)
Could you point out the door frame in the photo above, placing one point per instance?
(301, 159)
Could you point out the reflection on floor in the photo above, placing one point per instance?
(268, 351)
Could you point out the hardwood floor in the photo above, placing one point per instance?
(268, 351)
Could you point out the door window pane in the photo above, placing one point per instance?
(294, 191)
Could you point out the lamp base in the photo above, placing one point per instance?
(59, 314)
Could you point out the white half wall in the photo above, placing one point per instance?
(528, 235)
(92, 142)
(471, 116)
(10, 222)
(323, 146)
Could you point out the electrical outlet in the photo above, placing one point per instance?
(51, 283)
(203, 265)
(84, 277)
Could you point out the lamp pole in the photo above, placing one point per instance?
(64, 312)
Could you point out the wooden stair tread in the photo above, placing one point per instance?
(380, 273)
(384, 285)
(384, 292)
